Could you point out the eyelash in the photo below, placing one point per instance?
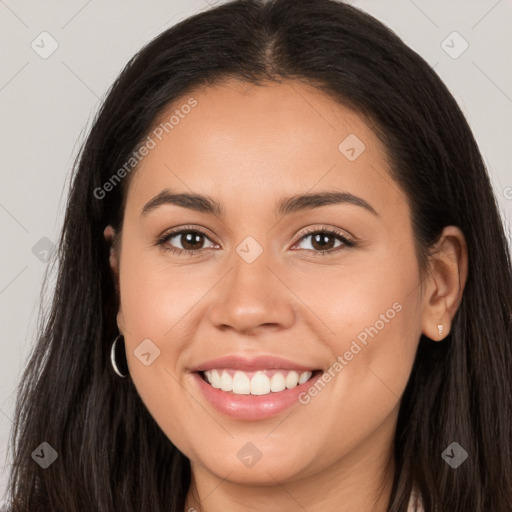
(347, 243)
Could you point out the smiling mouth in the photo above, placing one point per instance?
(260, 382)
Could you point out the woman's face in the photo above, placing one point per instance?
(257, 304)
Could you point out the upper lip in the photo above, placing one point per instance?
(251, 363)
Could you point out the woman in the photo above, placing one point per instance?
(284, 284)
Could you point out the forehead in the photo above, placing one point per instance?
(249, 143)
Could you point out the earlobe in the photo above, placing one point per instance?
(120, 321)
(445, 283)
(109, 234)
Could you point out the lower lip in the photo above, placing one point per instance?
(252, 407)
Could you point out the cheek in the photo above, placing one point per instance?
(156, 297)
(373, 333)
(160, 304)
(150, 309)
(370, 314)
(368, 296)
(153, 308)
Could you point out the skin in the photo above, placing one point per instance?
(247, 147)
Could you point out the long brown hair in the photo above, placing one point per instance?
(111, 454)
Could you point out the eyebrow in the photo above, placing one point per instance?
(300, 202)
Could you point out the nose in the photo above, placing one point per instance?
(251, 297)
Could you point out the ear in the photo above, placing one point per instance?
(444, 283)
(110, 236)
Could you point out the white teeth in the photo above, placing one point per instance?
(260, 384)
(304, 376)
(277, 382)
(241, 384)
(291, 380)
(226, 382)
(213, 378)
(255, 383)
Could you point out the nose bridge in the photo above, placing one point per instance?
(250, 263)
(251, 295)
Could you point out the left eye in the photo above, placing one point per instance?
(322, 241)
(189, 240)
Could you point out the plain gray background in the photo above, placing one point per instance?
(47, 105)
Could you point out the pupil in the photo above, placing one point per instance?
(189, 237)
(321, 239)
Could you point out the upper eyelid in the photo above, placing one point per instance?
(178, 231)
(336, 231)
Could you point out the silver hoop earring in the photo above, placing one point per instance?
(113, 357)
